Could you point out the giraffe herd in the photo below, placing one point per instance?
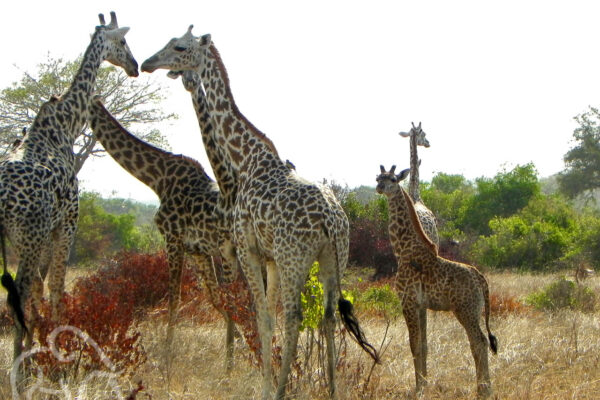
(259, 215)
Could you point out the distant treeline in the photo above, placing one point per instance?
(512, 221)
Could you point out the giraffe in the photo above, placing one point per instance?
(189, 217)
(278, 216)
(38, 185)
(426, 217)
(227, 176)
(427, 281)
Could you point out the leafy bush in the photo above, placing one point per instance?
(369, 242)
(563, 294)
(501, 196)
(381, 300)
(313, 309)
(105, 305)
(535, 238)
(101, 234)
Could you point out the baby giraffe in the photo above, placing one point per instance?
(427, 281)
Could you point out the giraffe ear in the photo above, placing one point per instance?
(403, 174)
(205, 40)
(404, 134)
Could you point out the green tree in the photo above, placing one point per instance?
(446, 196)
(539, 237)
(134, 102)
(501, 196)
(101, 234)
(582, 162)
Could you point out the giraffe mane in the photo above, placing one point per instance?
(417, 224)
(116, 124)
(236, 110)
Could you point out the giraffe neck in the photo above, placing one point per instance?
(225, 175)
(413, 186)
(152, 166)
(72, 113)
(240, 139)
(405, 226)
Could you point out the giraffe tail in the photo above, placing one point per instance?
(351, 323)
(486, 297)
(14, 298)
(345, 306)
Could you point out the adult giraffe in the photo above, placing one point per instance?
(38, 185)
(278, 216)
(190, 217)
(426, 216)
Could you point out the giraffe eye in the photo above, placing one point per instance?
(123, 42)
(179, 48)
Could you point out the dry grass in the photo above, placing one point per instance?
(541, 356)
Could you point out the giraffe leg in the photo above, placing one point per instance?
(175, 256)
(59, 255)
(206, 270)
(62, 240)
(293, 276)
(411, 316)
(330, 298)
(469, 319)
(272, 288)
(423, 341)
(251, 263)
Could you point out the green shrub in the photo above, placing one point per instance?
(312, 300)
(382, 300)
(563, 294)
(536, 238)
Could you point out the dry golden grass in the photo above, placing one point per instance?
(541, 356)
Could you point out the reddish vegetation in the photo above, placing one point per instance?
(503, 305)
(107, 304)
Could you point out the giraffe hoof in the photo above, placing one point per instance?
(484, 390)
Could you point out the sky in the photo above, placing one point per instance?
(331, 83)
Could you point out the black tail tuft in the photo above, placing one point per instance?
(493, 343)
(13, 299)
(351, 324)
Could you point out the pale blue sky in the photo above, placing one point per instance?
(332, 82)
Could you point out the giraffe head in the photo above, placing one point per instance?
(388, 183)
(419, 133)
(117, 51)
(184, 53)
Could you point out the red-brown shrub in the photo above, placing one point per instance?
(105, 306)
(501, 304)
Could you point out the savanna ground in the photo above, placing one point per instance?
(542, 355)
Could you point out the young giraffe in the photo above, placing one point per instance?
(427, 281)
(189, 217)
(278, 216)
(38, 186)
(426, 217)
